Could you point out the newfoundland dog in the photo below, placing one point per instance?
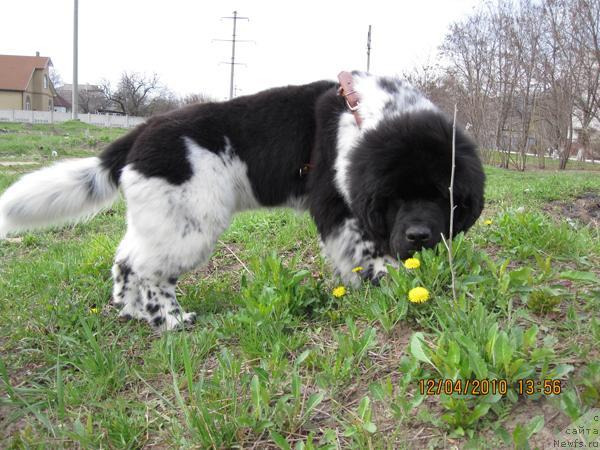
(370, 159)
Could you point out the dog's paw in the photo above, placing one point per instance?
(173, 321)
(129, 312)
(189, 318)
(115, 303)
(372, 275)
(376, 279)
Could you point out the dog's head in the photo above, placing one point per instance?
(399, 180)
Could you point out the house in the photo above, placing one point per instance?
(25, 83)
(91, 99)
(61, 104)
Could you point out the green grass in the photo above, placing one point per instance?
(23, 141)
(277, 361)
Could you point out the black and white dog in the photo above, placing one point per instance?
(377, 188)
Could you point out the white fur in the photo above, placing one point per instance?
(55, 195)
(348, 135)
(300, 204)
(173, 228)
(375, 104)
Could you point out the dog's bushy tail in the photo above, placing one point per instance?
(67, 191)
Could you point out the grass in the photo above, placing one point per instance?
(275, 360)
(35, 143)
(495, 158)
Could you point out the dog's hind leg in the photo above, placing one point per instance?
(126, 291)
(149, 260)
(173, 228)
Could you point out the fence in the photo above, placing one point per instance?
(101, 120)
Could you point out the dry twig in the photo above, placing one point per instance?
(235, 256)
(448, 242)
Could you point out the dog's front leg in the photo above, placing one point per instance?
(353, 255)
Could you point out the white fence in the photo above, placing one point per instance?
(101, 120)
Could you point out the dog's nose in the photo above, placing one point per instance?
(418, 233)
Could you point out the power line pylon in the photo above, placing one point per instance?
(369, 50)
(233, 41)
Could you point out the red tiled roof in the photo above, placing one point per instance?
(59, 100)
(16, 71)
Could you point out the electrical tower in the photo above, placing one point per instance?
(233, 41)
(369, 50)
(75, 92)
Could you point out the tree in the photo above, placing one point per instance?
(133, 94)
(506, 67)
(55, 78)
(556, 71)
(142, 95)
(527, 44)
(525, 75)
(163, 101)
(92, 99)
(586, 40)
(471, 46)
(197, 98)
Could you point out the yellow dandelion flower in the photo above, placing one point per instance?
(412, 263)
(94, 310)
(339, 291)
(418, 295)
(357, 269)
(487, 222)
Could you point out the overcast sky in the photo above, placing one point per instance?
(292, 42)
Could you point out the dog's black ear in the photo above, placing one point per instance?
(468, 191)
(370, 212)
(467, 211)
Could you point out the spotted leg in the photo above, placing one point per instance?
(160, 306)
(126, 293)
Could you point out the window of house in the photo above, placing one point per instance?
(45, 81)
(28, 103)
(49, 105)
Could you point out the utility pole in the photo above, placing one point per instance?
(75, 91)
(369, 50)
(233, 41)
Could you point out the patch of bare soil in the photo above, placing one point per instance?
(8, 424)
(228, 261)
(554, 421)
(584, 208)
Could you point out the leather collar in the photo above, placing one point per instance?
(352, 98)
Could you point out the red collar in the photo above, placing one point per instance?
(352, 98)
